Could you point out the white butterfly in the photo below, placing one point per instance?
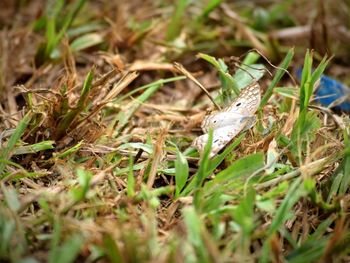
(227, 123)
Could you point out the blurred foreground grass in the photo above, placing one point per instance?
(96, 125)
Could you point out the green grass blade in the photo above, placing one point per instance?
(34, 148)
(322, 228)
(217, 160)
(11, 198)
(279, 74)
(202, 169)
(228, 83)
(193, 225)
(210, 6)
(308, 252)
(69, 18)
(296, 191)
(244, 166)
(69, 151)
(123, 117)
(84, 178)
(131, 179)
(72, 114)
(174, 28)
(15, 137)
(214, 163)
(244, 216)
(181, 172)
(69, 249)
(111, 249)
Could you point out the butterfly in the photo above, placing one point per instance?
(230, 121)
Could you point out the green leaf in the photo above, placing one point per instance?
(84, 178)
(296, 191)
(11, 198)
(69, 151)
(322, 228)
(308, 252)
(131, 179)
(214, 163)
(242, 167)
(279, 74)
(72, 114)
(111, 249)
(69, 249)
(194, 227)
(228, 83)
(245, 75)
(174, 28)
(181, 172)
(137, 145)
(209, 7)
(80, 43)
(15, 137)
(244, 216)
(341, 177)
(34, 148)
(124, 116)
(202, 169)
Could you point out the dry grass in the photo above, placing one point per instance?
(96, 126)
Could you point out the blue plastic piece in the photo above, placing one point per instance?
(329, 91)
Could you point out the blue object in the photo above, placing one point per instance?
(329, 91)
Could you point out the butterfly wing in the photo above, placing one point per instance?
(221, 137)
(245, 105)
(227, 123)
(221, 119)
(247, 102)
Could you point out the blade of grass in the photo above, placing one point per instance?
(202, 169)
(6, 152)
(174, 27)
(69, 151)
(241, 167)
(193, 225)
(307, 122)
(341, 177)
(84, 178)
(130, 189)
(34, 148)
(243, 215)
(296, 191)
(111, 249)
(132, 92)
(228, 83)
(71, 115)
(209, 7)
(124, 116)
(308, 252)
(279, 74)
(11, 197)
(181, 172)
(68, 251)
(214, 163)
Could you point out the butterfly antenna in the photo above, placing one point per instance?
(272, 65)
(246, 71)
(238, 60)
(184, 71)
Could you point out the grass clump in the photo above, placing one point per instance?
(97, 121)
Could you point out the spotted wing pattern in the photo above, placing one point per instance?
(227, 123)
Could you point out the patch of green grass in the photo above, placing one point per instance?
(96, 162)
(56, 26)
